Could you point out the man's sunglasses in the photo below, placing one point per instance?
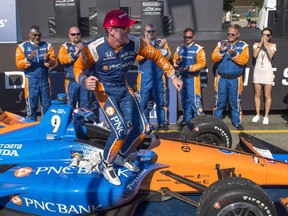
(125, 29)
(188, 37)
(75, 34)
(150, 31)
(231, 34)
(36, 35)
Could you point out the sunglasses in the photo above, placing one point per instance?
(188, 37)
(150, 31)
(231, 34)
(125, 29)
(36, 35)
(75, 34)
(268, 35)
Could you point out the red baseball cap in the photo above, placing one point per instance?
(118, 18)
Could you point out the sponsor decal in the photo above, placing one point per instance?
(189, 176)
(22, 172)
(108, 54)
(110, 111)
(120, 66)
(137, 180)
(11, 146)
(122, 15)
(15, 199)
(185, 149)
(225, 151)
(203, 176)
(259, 203)
(53, 111)
(59, 207)
(58, 111)
(118, 125)
(217, 205)
(163, 180)
(270, 161)
(59, 170)
(69, 171)
(256, 159)
(206, 181)
(223, 133)
(7, 152)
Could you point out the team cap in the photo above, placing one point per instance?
(117, 18)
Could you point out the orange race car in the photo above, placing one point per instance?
(51, 168)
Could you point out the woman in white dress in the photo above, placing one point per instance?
(263, 76)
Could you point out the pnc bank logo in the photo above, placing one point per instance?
(110, 111)
(22, 172)
(15, 199)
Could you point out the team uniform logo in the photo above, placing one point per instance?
(110, 111)
(22, 172)
(108, 54)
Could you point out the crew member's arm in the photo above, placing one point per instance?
(177, 59)
(64, 56)
(49, 57)
(200, 62)
(21, 60)
(217, 55)
(155, 55)
(241, 58)
(84, 61)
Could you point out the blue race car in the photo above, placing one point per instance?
(51, 168)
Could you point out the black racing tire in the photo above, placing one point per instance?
(207, 129)
(235, 196)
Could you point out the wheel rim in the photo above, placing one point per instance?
(240, 209)
(209, 138)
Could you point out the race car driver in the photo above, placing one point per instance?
(112, 56)
(35, 57)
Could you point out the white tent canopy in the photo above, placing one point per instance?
(263, 14)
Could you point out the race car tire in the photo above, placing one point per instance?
(207, 129)
(235, 196)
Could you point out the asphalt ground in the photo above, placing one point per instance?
(276, 132)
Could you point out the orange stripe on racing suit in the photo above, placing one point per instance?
(63, 56)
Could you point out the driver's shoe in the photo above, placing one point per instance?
(108, 172)
(122, 161)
